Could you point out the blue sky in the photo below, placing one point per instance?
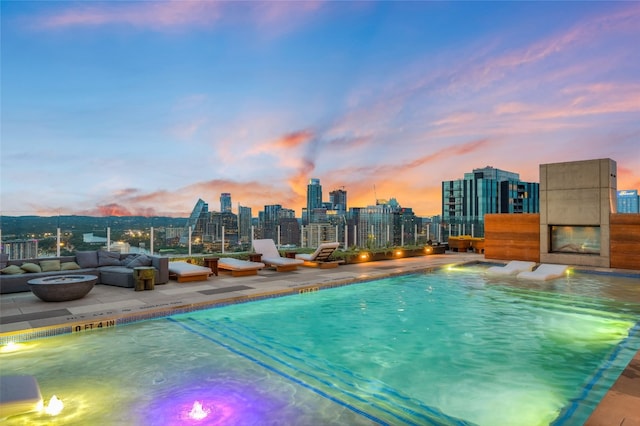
(143, 107)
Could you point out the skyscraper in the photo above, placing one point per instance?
(314, 198)
(487, 190)
(225, 202)
(338, 200)
(244, 224)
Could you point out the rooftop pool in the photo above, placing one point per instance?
(447, 347)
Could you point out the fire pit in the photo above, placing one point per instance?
(63, 287)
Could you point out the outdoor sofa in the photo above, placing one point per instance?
(111, 268)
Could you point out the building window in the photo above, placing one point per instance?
(575, 239)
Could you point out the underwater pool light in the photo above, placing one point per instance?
(54, 407)
(198, 412)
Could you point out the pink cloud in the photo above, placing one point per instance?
(156, 14)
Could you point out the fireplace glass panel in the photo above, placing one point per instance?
(575, 239)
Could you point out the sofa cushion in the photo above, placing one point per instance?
(69, 266)
(12, 270)
(30, 267)
(87, 259)
(108, 258)
(140, 260)
(50, 265)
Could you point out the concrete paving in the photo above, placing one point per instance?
(23, 316)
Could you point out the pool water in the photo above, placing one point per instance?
(447, 347)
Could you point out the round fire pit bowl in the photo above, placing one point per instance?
(62, 288)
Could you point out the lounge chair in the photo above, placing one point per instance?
(514, 267)
(271, 256)
(238, 267)
(185, 272)
(544, 272)
(320, 257)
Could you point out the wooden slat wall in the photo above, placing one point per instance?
(625, 240)
(512, 236)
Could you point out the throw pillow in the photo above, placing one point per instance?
(12, 270)
(87, 259)
(30, 267)
(69, 266)
(50, 265)
(139, 260)
(108, 258)
(4, 258)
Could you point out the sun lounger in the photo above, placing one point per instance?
(514, 267)
(271, 256)
(320, 257)
(544, 272)
(239, 268)
(186, 272)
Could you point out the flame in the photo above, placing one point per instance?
(55, 406)
(198, 412)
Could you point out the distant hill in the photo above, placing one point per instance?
(19, 226)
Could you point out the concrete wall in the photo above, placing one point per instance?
(578, 193)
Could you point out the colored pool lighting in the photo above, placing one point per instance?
(10, 347)
(55, 406)
(198, 412)
(399, 253)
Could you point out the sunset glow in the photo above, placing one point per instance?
(142, 108)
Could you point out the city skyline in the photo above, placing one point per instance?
(142, 108)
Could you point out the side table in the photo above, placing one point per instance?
(212, 263)
(144, 277)
(255, 257)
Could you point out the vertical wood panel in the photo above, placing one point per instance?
(625, 240)
(512, 236)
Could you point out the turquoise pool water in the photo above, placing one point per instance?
(448, 347)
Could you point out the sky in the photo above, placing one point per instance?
(144, 107)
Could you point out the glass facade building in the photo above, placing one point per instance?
(314, 199)
(225, 202)
(628, 201)
(487, 190)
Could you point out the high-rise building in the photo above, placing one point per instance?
(487, 190)
(628, 201)
(314, 199)
(20, 249)
(225, 202)
(244, 224)
(338, 200)
(270, 219)
(196, 221)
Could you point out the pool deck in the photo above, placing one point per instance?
(24, 316)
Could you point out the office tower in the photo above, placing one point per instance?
(487, 190)
(196, 221)
(314, 198)
(244, 224)
(270, 219)
(338, 200)
(225, 202)
(289, 231)
(628, 201)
